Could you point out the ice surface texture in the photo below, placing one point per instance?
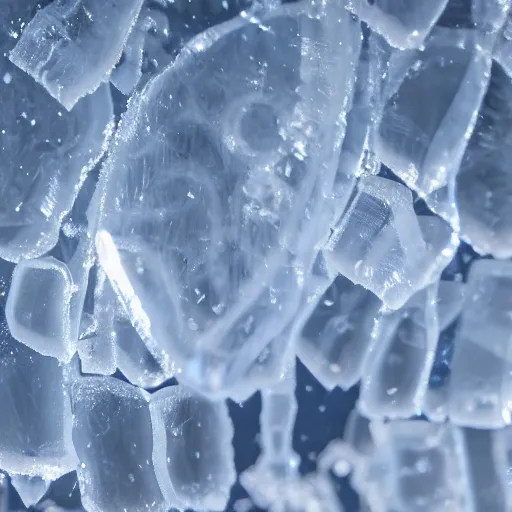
(328, 180)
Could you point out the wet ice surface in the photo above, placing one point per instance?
(243, 220)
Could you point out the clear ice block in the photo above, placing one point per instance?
(484, 182)
(503, 47)
(404, 23)
(481, 376)
(417, 467)
(71, 46)
(192, 450)
(36, 413)
(38, 307)
(396, 370)
(382, 245)
(423, 142)
(334, 341)
(209, 258)
(112, 434)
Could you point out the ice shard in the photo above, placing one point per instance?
(423, 142)
(192, 450)
(404, 24)
(484, 182)
(71, 46)
(396, 370)
(450, 302)
(30, 489)
(382, 245)
(480, 384)
(38, 307)
(201, 231)
(335, 339)
(112, 435)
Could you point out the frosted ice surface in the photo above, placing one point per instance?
(192, 450)
(396, 370)
(484, 183)
(30, 489)
(113, 438)
(480, 384)
(423, 142)
(251, 138)
(38, 307)
(36, 413)
(338, 333)
(489, 15)
(380, 244)
(71, 46)
(417, 467)
(404, 23)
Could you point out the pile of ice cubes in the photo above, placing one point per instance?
(205, 202)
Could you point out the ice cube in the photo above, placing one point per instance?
(113, 439)
(338, 333)
(380, 244)
(423, 142)
(417, 467)
(404, 24)
(70, 46)
(480, 384)
(209, 260)
(489, 15)
(449, 303)
(36, 413)
(192, 450)
(396, 370)
(487, 491)
(38, 307)
(30, 489)
(484, 183)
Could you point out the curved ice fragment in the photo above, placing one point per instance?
(404, 24)
(71, 46)
(38, 307)
(113, 439)
(192, 449)
(202, 227)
